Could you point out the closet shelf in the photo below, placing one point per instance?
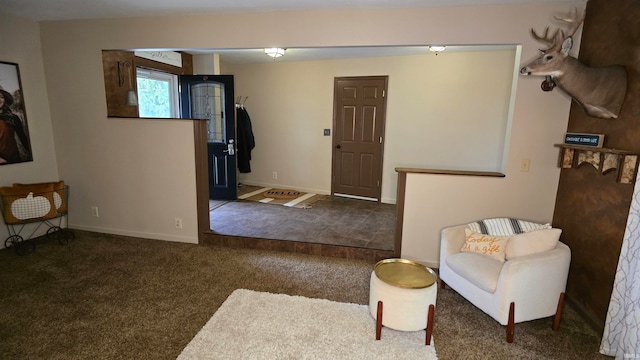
(604, 160)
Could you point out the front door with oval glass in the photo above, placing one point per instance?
(210, 97)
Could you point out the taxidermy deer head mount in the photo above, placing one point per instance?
(599, 90)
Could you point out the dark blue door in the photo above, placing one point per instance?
(210, 97)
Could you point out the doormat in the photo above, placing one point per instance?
(286, 197)
(282, 194)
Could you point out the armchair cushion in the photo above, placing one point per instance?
(482, 271)
(532, 242)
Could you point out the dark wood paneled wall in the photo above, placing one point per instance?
(592, 208)
(116, 84)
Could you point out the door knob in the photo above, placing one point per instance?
(338, 146)
(230, 149)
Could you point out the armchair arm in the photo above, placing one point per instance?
(534, 282)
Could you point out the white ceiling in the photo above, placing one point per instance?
(42, 10)
(53, 10)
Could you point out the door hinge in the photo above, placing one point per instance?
(384, 92)
(380, 139)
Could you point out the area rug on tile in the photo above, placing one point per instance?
(286, 197)
(259, 325)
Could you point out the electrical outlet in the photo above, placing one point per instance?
(275, 175)
(178, 223)
(94, 211)
(524, 165)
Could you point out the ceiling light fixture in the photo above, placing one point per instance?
(274, 52)
(437, 48)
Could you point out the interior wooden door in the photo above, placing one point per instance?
(358, 136)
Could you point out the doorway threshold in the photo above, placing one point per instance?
(356, 197)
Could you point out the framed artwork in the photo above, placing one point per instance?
(15, 144)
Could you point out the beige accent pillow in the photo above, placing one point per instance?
(488, 245)
(532, 242)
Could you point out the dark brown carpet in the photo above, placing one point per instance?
(115, 297)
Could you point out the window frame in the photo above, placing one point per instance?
(174, 89)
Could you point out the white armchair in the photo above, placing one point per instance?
(524, 287)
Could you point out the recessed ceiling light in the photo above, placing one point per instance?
(274, 52)
(437, 48)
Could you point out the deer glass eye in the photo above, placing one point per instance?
(548, 58)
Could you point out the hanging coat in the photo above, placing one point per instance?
(245, 141)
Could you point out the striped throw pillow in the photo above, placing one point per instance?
(505, 226)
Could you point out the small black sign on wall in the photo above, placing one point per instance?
(595, 140)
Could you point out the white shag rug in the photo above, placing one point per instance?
(259, 325)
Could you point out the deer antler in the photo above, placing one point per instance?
(575, 20)
(550, 41)
(558, 37)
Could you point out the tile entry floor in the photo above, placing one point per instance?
(333, 220)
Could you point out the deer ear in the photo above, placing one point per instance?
(567, 45)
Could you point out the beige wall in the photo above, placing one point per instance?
(447, 112)
(141, 173)
(21, 45)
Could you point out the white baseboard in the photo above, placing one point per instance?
(388, 200)
(138, 234)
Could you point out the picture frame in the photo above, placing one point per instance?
(15, 142)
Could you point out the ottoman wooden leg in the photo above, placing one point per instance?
(379, 321)
(558, 316)
(429, 325)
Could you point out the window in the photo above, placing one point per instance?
(157, 94)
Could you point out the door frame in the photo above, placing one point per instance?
(202, 177)
(383, 118)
